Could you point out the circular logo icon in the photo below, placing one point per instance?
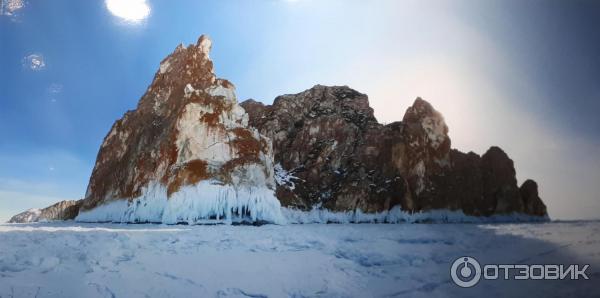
(465, 272)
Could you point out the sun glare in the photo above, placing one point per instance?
(129, 10)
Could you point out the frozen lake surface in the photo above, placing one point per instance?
(314, 260)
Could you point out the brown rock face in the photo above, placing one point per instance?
(187, 129)
(327, 138)
(334, 154)
(426, 157)
(62, 210)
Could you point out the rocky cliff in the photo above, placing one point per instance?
(185, 154)
(189, 153)
(333, 154)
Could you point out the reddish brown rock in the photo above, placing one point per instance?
(184, 154)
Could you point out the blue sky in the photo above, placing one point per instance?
(524, 75)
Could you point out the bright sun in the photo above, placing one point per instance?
(129, 10)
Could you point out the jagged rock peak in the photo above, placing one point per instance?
(189, 65)
(204, 44)
(420, 107)
(422, 114)
(185, 154)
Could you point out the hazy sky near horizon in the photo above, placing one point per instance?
(523, 75)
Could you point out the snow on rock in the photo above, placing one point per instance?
(436, 129)
(212, 146)
(164, 66)
(284, 178)
(186, 154)
(418, 171)
(188, 90)
(228, 93)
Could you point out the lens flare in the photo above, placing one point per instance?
(129, 10)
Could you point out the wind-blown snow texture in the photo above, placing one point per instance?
(68, 259)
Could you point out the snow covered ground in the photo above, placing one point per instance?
(314, 260)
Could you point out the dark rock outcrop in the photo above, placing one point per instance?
(334, 154)
(320, 137)
(531, 200)
(63, 210)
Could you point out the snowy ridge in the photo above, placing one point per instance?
(396, 215)
(193, 204)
